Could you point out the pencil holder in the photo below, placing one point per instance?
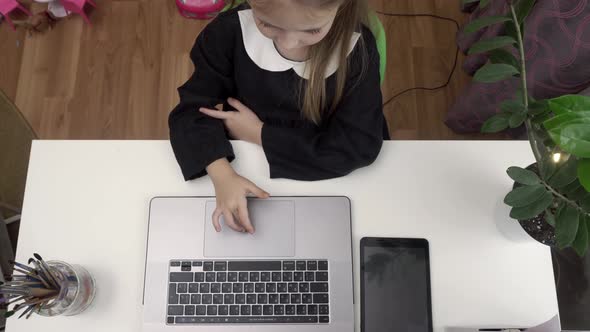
(77, 289)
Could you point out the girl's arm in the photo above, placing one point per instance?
(199, 140)
(351, 138)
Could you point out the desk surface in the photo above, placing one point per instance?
(86, 202)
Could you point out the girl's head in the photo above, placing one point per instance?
(319, 27)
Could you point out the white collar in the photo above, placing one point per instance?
(263, 52)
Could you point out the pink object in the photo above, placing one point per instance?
(8, 6)
(200, 9)
(77, 6)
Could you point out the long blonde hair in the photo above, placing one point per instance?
(349, 18)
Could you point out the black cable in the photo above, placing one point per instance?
(454, 63)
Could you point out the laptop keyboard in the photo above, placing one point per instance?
(248, 292)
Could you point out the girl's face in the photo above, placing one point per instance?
(292, 26)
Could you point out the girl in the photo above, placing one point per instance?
(299, 78)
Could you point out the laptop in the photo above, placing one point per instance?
(293, 274)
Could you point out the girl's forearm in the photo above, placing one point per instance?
(219, 169)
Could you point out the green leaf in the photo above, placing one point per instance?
(465, 2)
(578, 194)
(495, 124)
(516, 120)
(522, 9)
(574, 138)
(585, 203)
(505, 57)
(538, 108)
(491, 44)
(584, 173)
(566, 226)
(525, 195)
(532, 210)
(523, 176)
(491, 73)
(512, 106)
(558, 122)
(566, 174)
(550, 218)
(483, 22)
(580, 243)
(570, 188)
(569, 103)
(484, 3)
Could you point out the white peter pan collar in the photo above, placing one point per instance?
(264, 53)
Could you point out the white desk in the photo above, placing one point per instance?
(86, 202)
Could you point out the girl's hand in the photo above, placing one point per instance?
(242, 125)
(231, 190)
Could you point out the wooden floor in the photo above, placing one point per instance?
(118, 78)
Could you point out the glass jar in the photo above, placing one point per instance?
(77, 288)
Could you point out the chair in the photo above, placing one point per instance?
(16, 136)
(8, 6)
(77, 6)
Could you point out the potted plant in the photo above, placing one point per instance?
(551, 198)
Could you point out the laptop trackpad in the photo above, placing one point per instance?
(274, 221)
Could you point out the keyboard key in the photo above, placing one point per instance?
(173, 297)
(281, 287)
(211, 310)
(199, 276)
(312, 265)
(251, 299)
(220, 266)
(232, 276)
(265, 276)
(226, 287)
(222, 310)
(304, 287)
(279, 310)
(324, 309)
(193, 287)
(312, 309)
(302, 309)
(293, 287)
(215, 287)
(238, 287)
(175, 310)
(301, 266)
(256, 310)
(182, 288)
(228, 299)
(309, 276)
(271, 287)
(323, 265)
(254, 266)
(243, 276)
(289, 265)
(259, 287)
(185, 268)
(273, 298)
(185, 299)
(318, 287)
(240, 298)
(207, 266)
(181, 277)
(254, 276)
(248, 287)
(276, 276)
(174, 263)
(295, 298)
(197, 263)
(221, 276)
(284, 298)
(196, 299)
(287, 276)
(298, 276)
(320, 298)
(290, 309)
(201, 310)
(244, 310)
(324, 319)
(207, 299)
(210, 277)
(267, 310)
(234, 310)
(218, 299)
(170, 320)
(306, 298)
(262, 298)
(203, 288)
(321, 276)
(185, 264)
(189, 310)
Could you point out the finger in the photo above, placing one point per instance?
(237, 105)
(215, 114)
(255, 190)
(233, 223)
(244, 218)
(215, 219)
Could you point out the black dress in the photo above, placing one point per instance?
(233, 59)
